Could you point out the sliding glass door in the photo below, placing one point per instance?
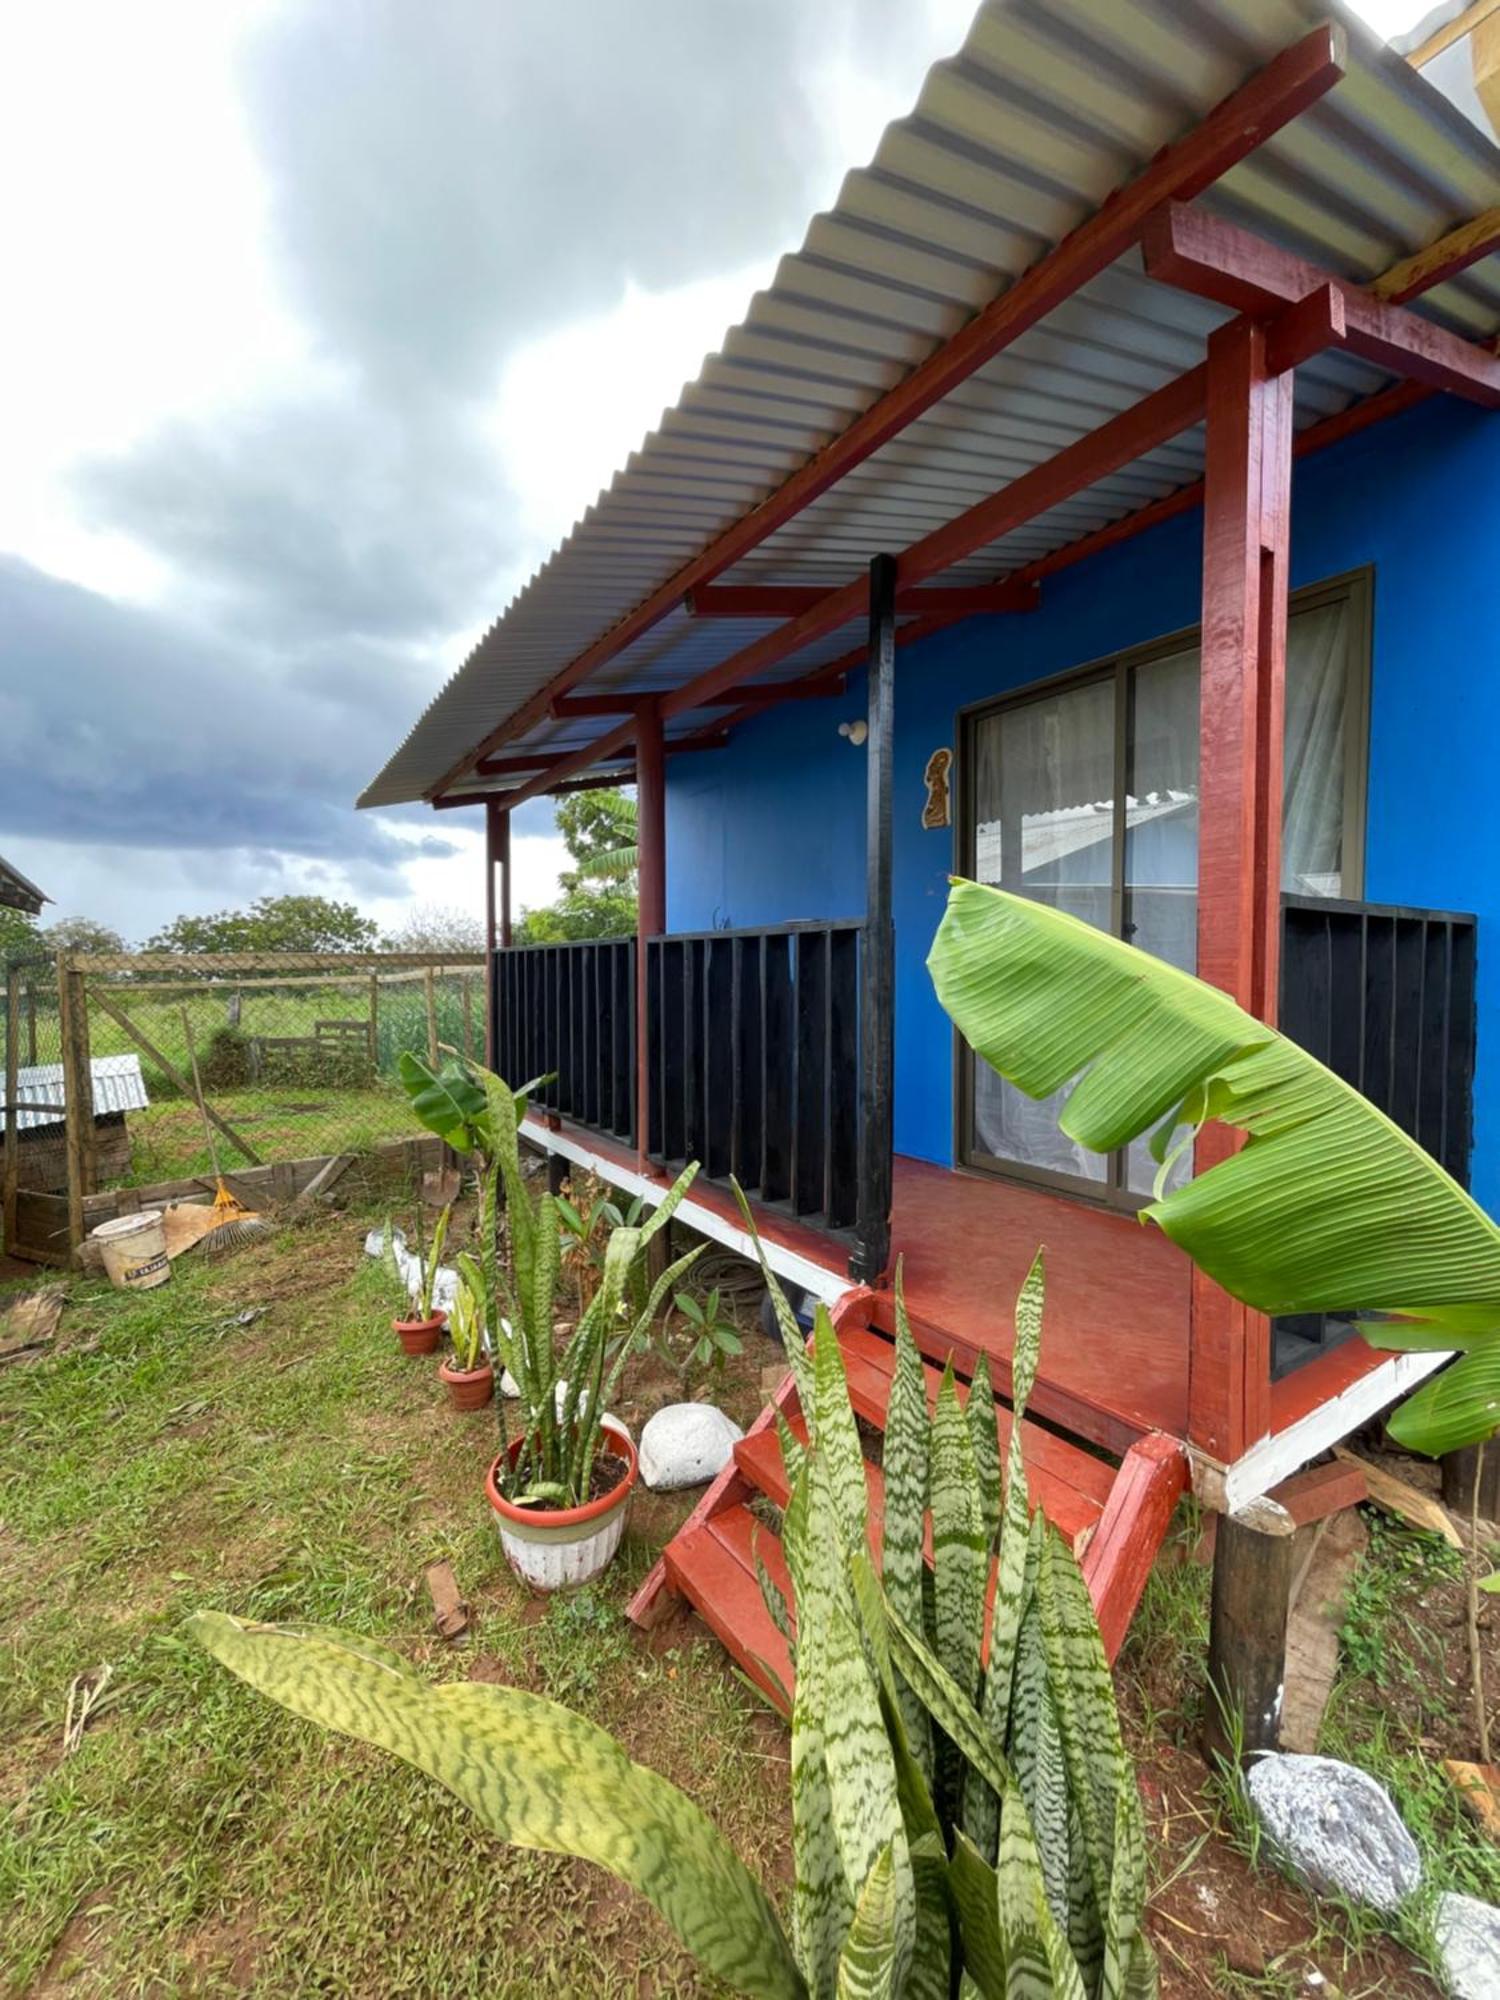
(1084, 795)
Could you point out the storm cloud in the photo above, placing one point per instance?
(442, 186)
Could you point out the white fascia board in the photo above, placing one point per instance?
(815, 1279)
(1277, 1457)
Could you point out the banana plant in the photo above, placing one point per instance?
(1025, 1877)
(1327, 1207)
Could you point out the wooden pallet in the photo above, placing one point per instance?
(1114, 1517)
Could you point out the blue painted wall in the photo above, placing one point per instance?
(771, 828)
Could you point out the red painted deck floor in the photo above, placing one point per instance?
(1115, 1333)
(1115, 1330)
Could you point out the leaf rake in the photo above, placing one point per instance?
(234, 1224)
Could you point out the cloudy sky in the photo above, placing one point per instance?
(324, 319)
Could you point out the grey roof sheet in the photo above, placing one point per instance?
(1049, 106)
(117, 1086)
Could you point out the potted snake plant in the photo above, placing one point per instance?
(420, 1328)
(467, 1375)
(561, 1485)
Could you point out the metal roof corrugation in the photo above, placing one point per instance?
(1049, 106)
(117, 1086)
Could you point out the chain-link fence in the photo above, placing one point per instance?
(235, 1064)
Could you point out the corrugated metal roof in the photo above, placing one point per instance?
(117, 1085)
(1048, 108)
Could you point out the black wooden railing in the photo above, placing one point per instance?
(568, 1011)
(1385, 997)
(754, 1062)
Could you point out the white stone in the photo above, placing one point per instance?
(1468, 1941)
(1337, 1828)
(686, 1444)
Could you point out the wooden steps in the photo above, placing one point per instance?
(1113, 1517)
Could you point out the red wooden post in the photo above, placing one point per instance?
(651, 892)
(1246, 514)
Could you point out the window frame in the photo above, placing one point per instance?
(1356, 588)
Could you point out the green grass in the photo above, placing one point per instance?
(201, 1840)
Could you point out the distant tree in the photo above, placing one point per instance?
(598, 896)
(436, 927)
(273, 923)
(18, 932)
(81, 934)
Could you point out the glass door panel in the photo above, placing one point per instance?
(1043, 800)
(1161, 833)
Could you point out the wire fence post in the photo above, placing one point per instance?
(432, 1032)
(374, 1022)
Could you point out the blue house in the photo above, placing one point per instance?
(1104, 502)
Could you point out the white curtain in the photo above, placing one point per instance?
(1043, 788)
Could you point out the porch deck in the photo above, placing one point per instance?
(1115, 1339)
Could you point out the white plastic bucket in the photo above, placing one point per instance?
(134, 1248)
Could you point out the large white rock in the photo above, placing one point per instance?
(1468, 1941)
(686, 1444)
(1337, 1828)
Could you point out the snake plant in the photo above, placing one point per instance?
(957, 1829)
(565, 1379)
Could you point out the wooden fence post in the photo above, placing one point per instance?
(78, 1093)
(31, 1022)
(374, 1024)
(466, 986)
(11, 1111)
(432, 1033)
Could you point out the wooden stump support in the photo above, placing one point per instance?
(1252, 1593)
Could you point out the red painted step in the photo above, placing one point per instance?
(1115, 1519)
(713, 1567)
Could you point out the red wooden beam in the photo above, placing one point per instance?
(625, 704)
(1246, 524)
(1267, 101)
(1215, 259)
(730, 600)
(1174, 408)
(499, 767)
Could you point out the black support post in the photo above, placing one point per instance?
(872, 1247)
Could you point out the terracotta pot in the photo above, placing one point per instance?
(552, 1548)
(420, 1336)
(468, 1388)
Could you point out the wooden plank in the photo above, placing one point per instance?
(1247, 507)
(1294, 79)
(1472, 240)
(174, 1075)
(1321, 1490)
(1398, 1496)
(1142, 1500)
(1215, 259)
(1462, 25)
(331, 1171)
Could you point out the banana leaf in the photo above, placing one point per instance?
(1327, 1207)
(535, 1774)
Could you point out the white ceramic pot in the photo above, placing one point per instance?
(557, 1548)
